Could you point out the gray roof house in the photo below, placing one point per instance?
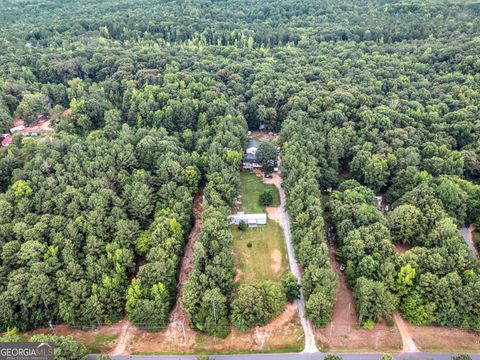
(252, 220)
(252, 146)
(250, 157)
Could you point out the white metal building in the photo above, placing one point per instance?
(252, 220)
(17, 129)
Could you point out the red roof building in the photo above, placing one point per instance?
(6, 141)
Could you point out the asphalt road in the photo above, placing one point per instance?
(310, 346)
(294, 356)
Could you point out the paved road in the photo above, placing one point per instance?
(294, 356)
(310, 346)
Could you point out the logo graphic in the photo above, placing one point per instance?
(26, 351)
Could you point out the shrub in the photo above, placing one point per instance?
(369, 324)
(332, 357)
(242, 225)
(386, 357)
(292, 287)
(462, 357)
(266, 198)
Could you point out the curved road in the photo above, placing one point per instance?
(310, 346)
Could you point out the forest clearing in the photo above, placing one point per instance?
(259, 252)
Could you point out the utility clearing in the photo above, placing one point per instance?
(343, 333)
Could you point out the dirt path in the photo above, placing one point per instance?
(123, 342)
(471, 229)
(178, 319)
(466, 233)
(403, 248)
(343, 333)
(343, 315)
(284, 221)
(405, 333)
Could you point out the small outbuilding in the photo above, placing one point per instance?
(252, 220)
(17, 129)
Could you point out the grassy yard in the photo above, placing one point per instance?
(260, 253)
(251, 187)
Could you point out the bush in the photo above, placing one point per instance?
(266, 198)
(242, 225)
(249, 245)
(386, 357)
(332, 357)
(292, 287)
(369, 324)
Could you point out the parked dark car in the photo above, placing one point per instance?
(269, 176)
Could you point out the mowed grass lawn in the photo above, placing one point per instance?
(265, 259)
(251, 187)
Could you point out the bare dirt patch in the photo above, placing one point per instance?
(43, 124)
(101, 339)
(122, 347)
(402, 248)
(282, 333)
(276, 261)
(275, 180)
(18, 122)
(238, 274)
(265, 136)
(442, 339)
(353, 339)
(343, 332)
(408, 345)
(178, 317)
(275, 214)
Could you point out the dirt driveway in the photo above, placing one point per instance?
(343, 333)
(274, 213)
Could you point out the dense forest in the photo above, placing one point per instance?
(369, 97)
